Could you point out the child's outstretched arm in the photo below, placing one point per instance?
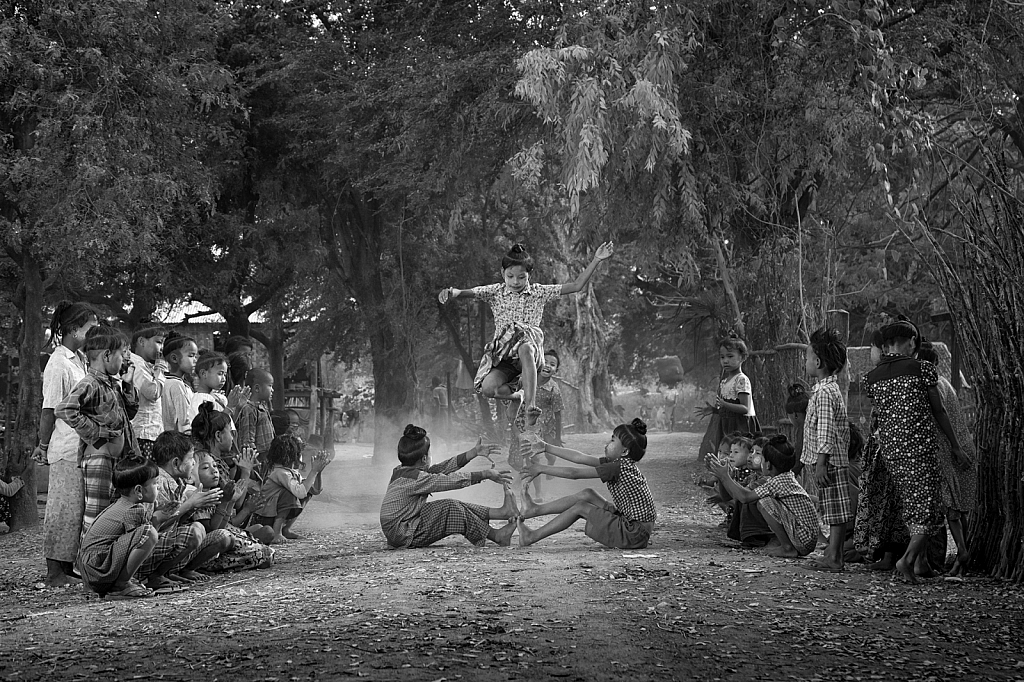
(534, 469)
(721, 472)
(455, 463)
(451, 293)
(574, 456)
(604, 252)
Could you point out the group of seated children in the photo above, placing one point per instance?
(409, 520)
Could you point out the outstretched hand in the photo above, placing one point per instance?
(444, 295)
(238, 397)
(715, 465)
(605, 251)
(488, 451)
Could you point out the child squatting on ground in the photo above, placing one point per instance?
(409, 520)
(783, 503)
(626, 524)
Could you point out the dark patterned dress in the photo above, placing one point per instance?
(898, 388)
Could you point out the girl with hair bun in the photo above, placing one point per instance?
(517, 350)
(624, 523)
(409, 520)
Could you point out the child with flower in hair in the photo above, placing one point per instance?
(409, 520)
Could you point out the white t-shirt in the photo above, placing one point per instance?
(63, 371)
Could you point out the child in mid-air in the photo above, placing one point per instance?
(409, 520)
(285, 491)
(625, 524)
(122, 537)
(147, 357)
(100, 409)
(827, 443)
(180, 352)
(781, 502)
(518, 345)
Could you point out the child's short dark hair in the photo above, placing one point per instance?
(413, 446)
(257, 375)
(876, 338)
(131, 471)
(517, 255)
(733, 342)
(174, 341)
(727, 439)
(237, 343)
(208, 422)
(902, 328)
(926, 352)
(779, 452)
(748, 443)
(435, 382)
(760, 441)
(553, 353)
(829, 348)
(103, 338)
(208, 359)
(147, 332)
(285, 450)
(171, 444)
(633, 437)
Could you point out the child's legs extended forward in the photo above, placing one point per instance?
(562, 504)
(570, 509)
(442, 518)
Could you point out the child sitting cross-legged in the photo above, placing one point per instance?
(625, 524)
(409, 520)
(782, 502)
(122, 537)
(183, 544)
(286, 491)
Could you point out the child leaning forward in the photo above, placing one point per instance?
(626, 524)
(408, 520)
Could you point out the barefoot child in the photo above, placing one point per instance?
(100, 409)
(518, 345)
(183, 545)
(121, 538)
(782, 503)
(409, 520)
(827, 444)
(626, 524)
(285, 491)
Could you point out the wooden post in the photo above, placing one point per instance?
(840, 321)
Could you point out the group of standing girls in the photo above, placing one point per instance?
(155, 471)
(917, 469)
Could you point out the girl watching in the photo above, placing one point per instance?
(180, 353)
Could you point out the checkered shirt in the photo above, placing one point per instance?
(827, 428)
(408, 491)
(255, 430)
(629, 489)
(785, 488)
(525, 307)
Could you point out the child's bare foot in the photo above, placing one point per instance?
(61, 580)
(192, 576)
(532, 415)
(290, 535)
(525, 534)
(780, 551)
(508, 509)
(960, 565)
(503, 536)
(529, 505)
(278, 539)
(883, 565)
(923, 569)
(903, 570)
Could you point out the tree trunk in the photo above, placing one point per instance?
(24, 510)
(275, 351)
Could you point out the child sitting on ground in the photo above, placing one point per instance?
(285, 491)
(409, 520)
(121, 538)
(783, 505)
(626, 524)
(100, 408)
(183, 545)
(8, 490)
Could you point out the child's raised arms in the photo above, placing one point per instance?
(575, 456)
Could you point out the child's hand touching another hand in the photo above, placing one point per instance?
(238, 397)
(246, 459)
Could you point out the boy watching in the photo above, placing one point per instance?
(255, 427)
(827, 443)
(147, 357)
(100, 409)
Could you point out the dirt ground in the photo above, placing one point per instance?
(338, 604)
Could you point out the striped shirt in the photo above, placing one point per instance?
(827, 428)
(408, 491)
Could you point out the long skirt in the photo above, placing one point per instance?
(65, 505)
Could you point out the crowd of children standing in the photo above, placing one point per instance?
(882, 501)
(164, 461)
